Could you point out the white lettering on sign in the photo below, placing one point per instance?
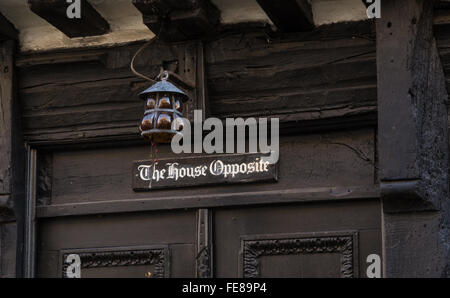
(216, 168)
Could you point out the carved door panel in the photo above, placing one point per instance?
(309, 240)
(146, 244)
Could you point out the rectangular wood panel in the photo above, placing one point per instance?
(339, 159)
(116, 262)
(161, 243)
(298, 254)
(314, 240)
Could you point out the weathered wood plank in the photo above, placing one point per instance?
(442, 33)
(412, 114)
(75, 180)
(289, 15)
(95, 115)
(413, 141)
(12, 165)
(248, 76)
(304, 105)
(6, 115)
(299, 77)
(286, 196)
(101, 93)
(90, 23)
(335, 166)
(8, 238)
(244, 80)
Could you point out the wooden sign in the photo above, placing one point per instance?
(202, 170)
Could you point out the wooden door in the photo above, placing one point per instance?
(321, 219)
(314, 240)
(137, 245)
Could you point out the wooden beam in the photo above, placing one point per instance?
(181, 19)
(12, 162)
(411, 104)
(412, 141)
(289, 15)
(91, 22)
(6, 120)
(7, 29)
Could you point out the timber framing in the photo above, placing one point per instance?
(178, 20)
(412, 114)
(289, 15)
(91, 22)
(287, 196)
(110, 107)
(12, 164)
(370, 100)
(6, 94)
(412, 141)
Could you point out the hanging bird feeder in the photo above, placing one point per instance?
(163, 111)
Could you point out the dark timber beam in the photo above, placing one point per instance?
(177, 20)
(289, 15)
(7, 30)
(411, 103)
(12, 166)
(91, 22)
(413, 141)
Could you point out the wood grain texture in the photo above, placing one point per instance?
(304, 79)
(413, 128)
(413, 142)
(71, 100)
(6, 112)
(315, 167)
(232, 226)
(8, 240)
(12, 165)
(298, 77)
(442, 34)
(11, 142)
(173, 230)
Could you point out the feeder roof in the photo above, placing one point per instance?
(161, 87)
